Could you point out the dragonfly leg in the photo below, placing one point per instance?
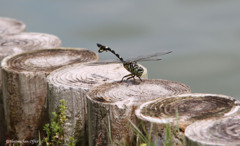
(127, 76)
(131, 77)
(140, 78)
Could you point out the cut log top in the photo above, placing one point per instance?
(27, 41)
(86, 76)
(225, 131)
(10, 26)
(188, 107)
(47, 60)
(135, 92)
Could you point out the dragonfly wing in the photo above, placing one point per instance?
(150, 57)
(104, 62)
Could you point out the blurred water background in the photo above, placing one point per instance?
(204, 35)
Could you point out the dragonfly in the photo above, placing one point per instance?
(131, 63)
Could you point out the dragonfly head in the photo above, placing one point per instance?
(139, 71)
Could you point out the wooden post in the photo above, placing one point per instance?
(182, 110)
(71, 83)
(9, 26)
(22, 42)
(25, 87)
(112, 105)
(213, 132)
(11, 44)
(25, 41)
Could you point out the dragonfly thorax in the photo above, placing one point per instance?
(134, 68)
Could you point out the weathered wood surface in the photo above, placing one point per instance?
(183, 110)
(25, 87)
(220, 132)
(71, 83)
(2, 121)
(27, 41)
(112, 105)
(9, 26)
(21, 42)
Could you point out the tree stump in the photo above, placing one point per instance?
(9, 26)
(220, 132)
(25, 87)
(183, 110)
(112, 105)
(71, 83)
(22, 42)
(18, 43)
(26, 41)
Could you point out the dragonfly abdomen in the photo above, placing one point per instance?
(106, 48)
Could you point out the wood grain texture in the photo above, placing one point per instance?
(25, 87)
(22, 42)
(214, 132)
(71, 83)
(183, 110)
(113, 105)
(27, 41)
(9, 26)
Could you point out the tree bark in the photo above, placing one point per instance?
(25, 87)
(71, 83)
(183, 110)
(9, 26)
(18, 43)
(112, 105)
(22, 42)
